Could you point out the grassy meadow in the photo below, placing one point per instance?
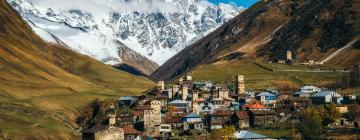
(262, 76)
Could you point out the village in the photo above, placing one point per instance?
(198, 108)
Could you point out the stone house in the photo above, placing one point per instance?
(219, 103)
(192, 121)
(227, 102)
(124, 119)
(206, 108)
(219, 118)
(240, 119)
(261, 117)
(174, 121)
(130, 133)
(299, 103)
(102, 132)
(180, 104)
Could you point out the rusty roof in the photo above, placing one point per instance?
(130, 130)
(222, 113)
(242, 115)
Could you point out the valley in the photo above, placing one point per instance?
(66, 71)
(43, 86)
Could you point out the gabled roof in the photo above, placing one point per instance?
(266, 94)
(254, 106)
(222, 113)
(323, 93)
(130, 130)
(192, 115)
(299, 92)
(228, 99)
(144, 107)
(235, 103)
(178, 102)
(309, 87)
(248, 135)
(218, 99)
(171, 119)
(127, 98)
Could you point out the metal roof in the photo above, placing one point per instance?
(248, 135)
(127, 98)
(309, 87)
(266, 94)
(178, 102)
(323, 93)
(192, 115)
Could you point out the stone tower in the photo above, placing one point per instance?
(151, 119)
(289, 55)
(184, 92)
(112, 119)
(240, 82)
(175, 89)
(195, 96)
(161, 85)
(156, 106)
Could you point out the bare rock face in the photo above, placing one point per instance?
(310, 29)
(103, 29)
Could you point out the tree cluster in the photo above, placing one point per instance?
(313, 121)
(223, 134)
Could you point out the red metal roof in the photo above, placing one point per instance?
(130, 130)
(254, 106)
(222, 113)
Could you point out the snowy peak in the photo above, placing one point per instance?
(155, 29)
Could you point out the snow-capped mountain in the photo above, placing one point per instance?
(103, 29)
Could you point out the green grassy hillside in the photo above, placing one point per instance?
(262, 76)
(43, 86)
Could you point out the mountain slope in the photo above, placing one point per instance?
(43, 86)
(155, 29)
(310, 29)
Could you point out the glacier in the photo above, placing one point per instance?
(155, 29)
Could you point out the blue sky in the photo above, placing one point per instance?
(244, 3)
